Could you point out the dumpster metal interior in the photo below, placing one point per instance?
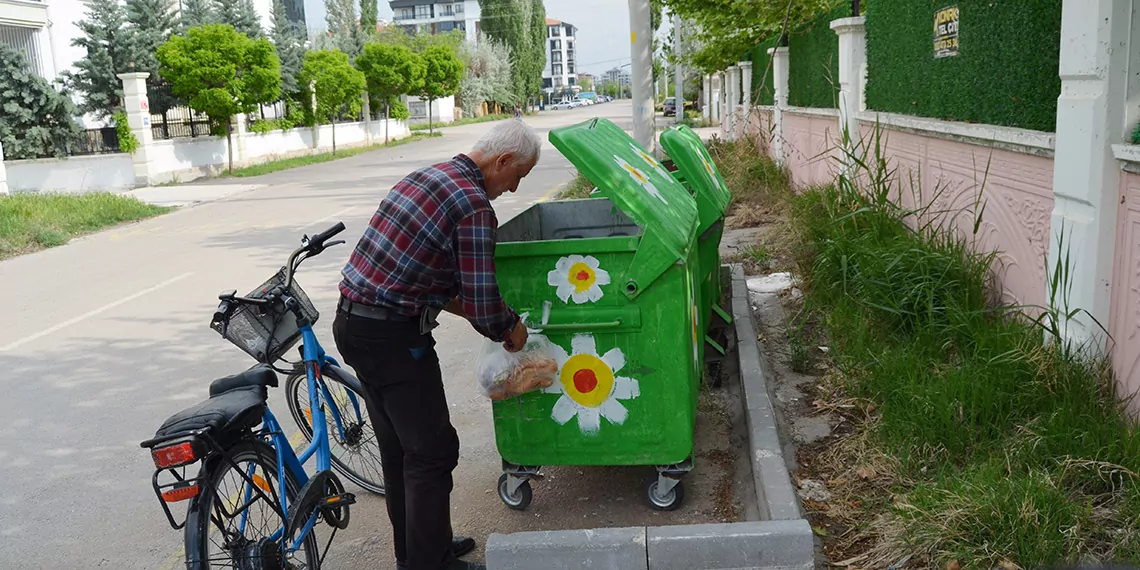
(569, 219)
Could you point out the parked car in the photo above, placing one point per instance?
(562, 105)
(669, 109)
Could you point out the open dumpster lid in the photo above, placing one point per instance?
(640, 187)
(696, 165)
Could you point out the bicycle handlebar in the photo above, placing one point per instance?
(318, 241)
(310, 246)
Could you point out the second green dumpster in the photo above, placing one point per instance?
(697, 171)
(616, 278)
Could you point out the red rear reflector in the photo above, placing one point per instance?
(180, 494)
(173, 456)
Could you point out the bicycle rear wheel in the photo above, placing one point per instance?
(354, 448)
(231, 525)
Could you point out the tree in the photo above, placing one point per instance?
(341, 19)
(335, 81)
(444, 72)
(289, 40)
(368, 18)
(241, 15)
(586, 83)
(390, 71)
(488, 74)
(96, 75)
(150, 24)
(725, 29)
(508, 22)
(221, 72)
(536, 47)
(35, 119)
(196, 13)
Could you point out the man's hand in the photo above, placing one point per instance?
(517, 339)
(455, 307)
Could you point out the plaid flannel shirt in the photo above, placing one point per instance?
(432, 239)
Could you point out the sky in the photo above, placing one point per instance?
(603, 28)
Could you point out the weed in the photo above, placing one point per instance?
(29, 222)
(1005, 448)
(460, 122)
(578, 188)
(295, 162)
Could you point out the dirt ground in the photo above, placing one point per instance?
(794, 360)
(719, 489)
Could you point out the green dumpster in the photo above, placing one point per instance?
(616, 278)
(696, 169)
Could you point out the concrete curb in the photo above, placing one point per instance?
(774, 490)
(784, 542)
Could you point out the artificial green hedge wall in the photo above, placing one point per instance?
(813, 62)
(1005, 72)
(760, 58)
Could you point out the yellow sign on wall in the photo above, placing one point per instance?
(946, 32)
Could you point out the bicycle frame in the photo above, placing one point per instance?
(314, 359)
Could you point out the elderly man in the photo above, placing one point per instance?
(429, 247)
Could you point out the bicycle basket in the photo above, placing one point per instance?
(267, 333)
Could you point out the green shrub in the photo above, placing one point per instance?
(128, 143)
(763, 92)
(269, 125)
(813, 52)
(1005, 72)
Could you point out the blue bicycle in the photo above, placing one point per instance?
(252, 505)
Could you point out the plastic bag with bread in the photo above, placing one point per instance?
(504, 375)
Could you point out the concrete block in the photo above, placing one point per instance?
(736, 546)
(774, 490)
(595, 549)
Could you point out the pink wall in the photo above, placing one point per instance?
(1017, 192)
(947, 175)
(1124, 325)
(808, 148)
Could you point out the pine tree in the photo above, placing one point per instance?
(96, 75)
(341, 18)
(151, 23)
(289, 40)
(368, 18)
(241, 15)
(196, 13)
(36, 120)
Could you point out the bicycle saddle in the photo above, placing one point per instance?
(236, 403)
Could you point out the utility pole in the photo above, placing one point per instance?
(678, 73)
(641, 73)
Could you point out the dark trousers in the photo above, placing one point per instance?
(399, 370)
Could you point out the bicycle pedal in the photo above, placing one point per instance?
(339, 500)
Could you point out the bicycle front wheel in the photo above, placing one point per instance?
(231, 524)
(353, 445)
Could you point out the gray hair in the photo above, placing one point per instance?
(511, 136)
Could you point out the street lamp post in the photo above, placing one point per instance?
(641, 56)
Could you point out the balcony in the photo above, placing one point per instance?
(25, 13)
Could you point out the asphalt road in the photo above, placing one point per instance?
(105, 337)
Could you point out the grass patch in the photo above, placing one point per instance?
(578, 188)
(30, 222)
(298, 161)
(461, 122)
(976, 444)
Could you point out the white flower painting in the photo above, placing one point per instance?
(589, 386)
(578, 278)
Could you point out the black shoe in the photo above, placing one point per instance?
(462, 546)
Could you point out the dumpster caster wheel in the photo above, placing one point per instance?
(668, 501)
(520, 499)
